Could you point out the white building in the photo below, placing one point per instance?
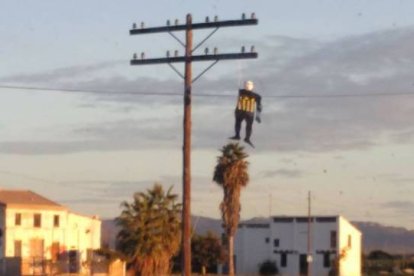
(37, 229)
(285, 241)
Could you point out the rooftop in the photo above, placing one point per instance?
(27, 199)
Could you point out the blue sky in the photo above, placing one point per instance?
(90, 151)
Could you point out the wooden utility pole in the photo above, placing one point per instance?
(187, 59)
(186, 220)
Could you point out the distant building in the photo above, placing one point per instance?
(38, 231)
(284, 240)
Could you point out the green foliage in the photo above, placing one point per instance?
(232, 155)
(379, 255)
(150, 231)
(231, 173)
(268, 268)
(207, 250)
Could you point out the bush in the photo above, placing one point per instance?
(268, 268)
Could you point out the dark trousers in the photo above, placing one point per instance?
(248, 117)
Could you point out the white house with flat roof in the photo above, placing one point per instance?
(35, 229)
(286, 241)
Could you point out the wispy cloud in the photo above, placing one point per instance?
(285, 173)
(405, 207)
(381, 62)
(61, 74)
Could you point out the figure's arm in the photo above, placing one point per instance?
(258, 108)
(259, 103)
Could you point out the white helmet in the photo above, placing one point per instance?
(248, 85)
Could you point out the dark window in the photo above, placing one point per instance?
(276, 242)
(285, 220)
(283, 260)
(56, 221)
(333, 239)
(326, 219)
(37, 220)
(18, 219)
(326, 260)
(349, 241)
(267, 240)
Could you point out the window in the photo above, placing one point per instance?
(18, 219)
(326, 260)
(37, 220)
(283, 260)
(55, 251)
(36, 247)
(56, 221)
(349, 241)
(276, 242)
(267, 240)
(333, 239)
(17, 248)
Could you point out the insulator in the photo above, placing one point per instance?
(243, 49)
(215, 51)
(243, 16)
(176, 22)
(215, 18)
(168, 22)
(252, 49)
(142, 55)
(176, 53)
(168, 54)
(134, 56)
(206, 51)
(134, 26)
(207, 19)
(253, 16)
(142, 25)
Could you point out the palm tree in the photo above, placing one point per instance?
(150, 231)
(231, 173)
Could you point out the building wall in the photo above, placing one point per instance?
(2, 228)
(293, 242)
(350, 247)
(251, 248)
(85, 234)
(288, 241)
(27, 232)
(74, 232)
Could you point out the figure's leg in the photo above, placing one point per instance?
(249, 126)
(237, 125)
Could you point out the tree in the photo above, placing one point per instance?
(150, 231)
(206, 251)
(380, 255)
(231, 173)
(268, 268)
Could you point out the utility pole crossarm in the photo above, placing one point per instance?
(194, 58)
(183, 27)
(188, 58)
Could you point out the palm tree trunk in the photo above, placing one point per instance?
(231, 253)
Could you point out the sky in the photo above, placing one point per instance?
(336, 79)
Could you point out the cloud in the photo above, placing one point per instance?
(285, 173)
(62, 74)
(395, 178)
(405, 207)
(380, 62)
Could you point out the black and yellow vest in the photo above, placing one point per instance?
(247, 101)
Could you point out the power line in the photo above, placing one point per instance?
(171, 94)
